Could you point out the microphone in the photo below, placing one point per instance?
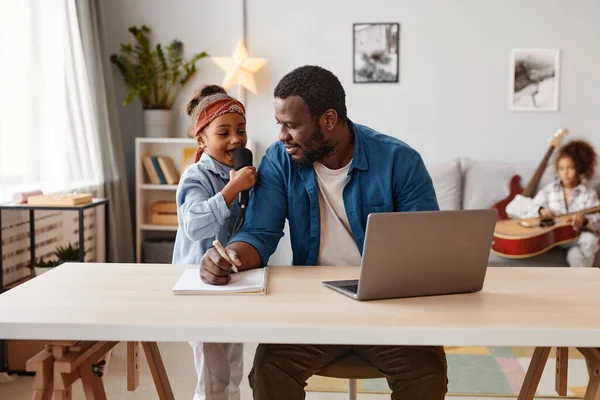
(242, 157)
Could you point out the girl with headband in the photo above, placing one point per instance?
(208, 210)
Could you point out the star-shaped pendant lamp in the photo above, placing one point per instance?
(239, 68)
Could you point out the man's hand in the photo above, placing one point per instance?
(546, 213)
(578, 221)
(214, 269)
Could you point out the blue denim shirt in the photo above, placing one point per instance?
(386, 175)
(202, 212)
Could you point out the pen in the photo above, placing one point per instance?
(223, 254)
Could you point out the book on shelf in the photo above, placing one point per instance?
(161, 170)
(163, 219)
(151, 170)
(161, 176)
(168, 169)
(164, 207)
(163, 213)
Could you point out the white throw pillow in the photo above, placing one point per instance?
(487, 182)
(447, 181)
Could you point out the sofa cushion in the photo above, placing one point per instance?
(556, 257)
(487, 182)
(447, 181)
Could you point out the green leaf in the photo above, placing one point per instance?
(153, 75)
(67, 253)
(45, 264)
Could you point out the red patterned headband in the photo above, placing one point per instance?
(213, 110)
(216, 109)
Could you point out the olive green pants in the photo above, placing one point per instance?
(280, 371)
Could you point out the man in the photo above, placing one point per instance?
(326, 175)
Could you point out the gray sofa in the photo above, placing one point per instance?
(471, 184)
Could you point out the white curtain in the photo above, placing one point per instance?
(58, 128)
(47, 136)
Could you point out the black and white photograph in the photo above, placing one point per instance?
(376, 49)
(534, 79)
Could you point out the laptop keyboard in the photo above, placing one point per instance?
(350, 288)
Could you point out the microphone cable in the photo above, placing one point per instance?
(241, 221)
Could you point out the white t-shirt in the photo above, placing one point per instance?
(337, 243)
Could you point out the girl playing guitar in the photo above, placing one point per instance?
(575, 164)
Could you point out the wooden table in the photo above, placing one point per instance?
(540, 307)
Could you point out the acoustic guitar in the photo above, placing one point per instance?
(522, 238)
(529, 191)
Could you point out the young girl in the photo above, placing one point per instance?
(208, 209)
(575, 164)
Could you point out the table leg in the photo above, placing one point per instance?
(93, 386)
(562, 370)
(107, 359)
(61, 364)
(534, 373)
(43, 366)
(592, 357)
(58, 352)
(157, 368)
(133, 370)
(593, 390)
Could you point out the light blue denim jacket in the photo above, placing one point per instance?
(201, 210)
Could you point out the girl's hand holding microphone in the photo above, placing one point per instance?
(239, 181)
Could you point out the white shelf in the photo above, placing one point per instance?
(166, 140)
(148, 193)
(150, 227)
(148, 186)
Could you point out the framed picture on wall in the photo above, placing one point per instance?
(376, 49)
(534, 79)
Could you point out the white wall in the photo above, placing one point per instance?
(454, 61)
(452, 98)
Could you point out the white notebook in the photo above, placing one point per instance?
(253, 281)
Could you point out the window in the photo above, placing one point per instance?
(44, 99)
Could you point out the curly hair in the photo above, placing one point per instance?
(320, 89)
(194, 107)
(583, 155)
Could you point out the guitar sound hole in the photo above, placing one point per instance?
(547, 222)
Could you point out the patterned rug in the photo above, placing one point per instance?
(491, 371)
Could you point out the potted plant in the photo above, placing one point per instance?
(42, 266)
(67, 253)
(63, 254)
(155, 76)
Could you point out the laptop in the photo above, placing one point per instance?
(426, 253)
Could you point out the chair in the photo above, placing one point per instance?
(351, 367)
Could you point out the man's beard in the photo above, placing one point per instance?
(316, 149)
